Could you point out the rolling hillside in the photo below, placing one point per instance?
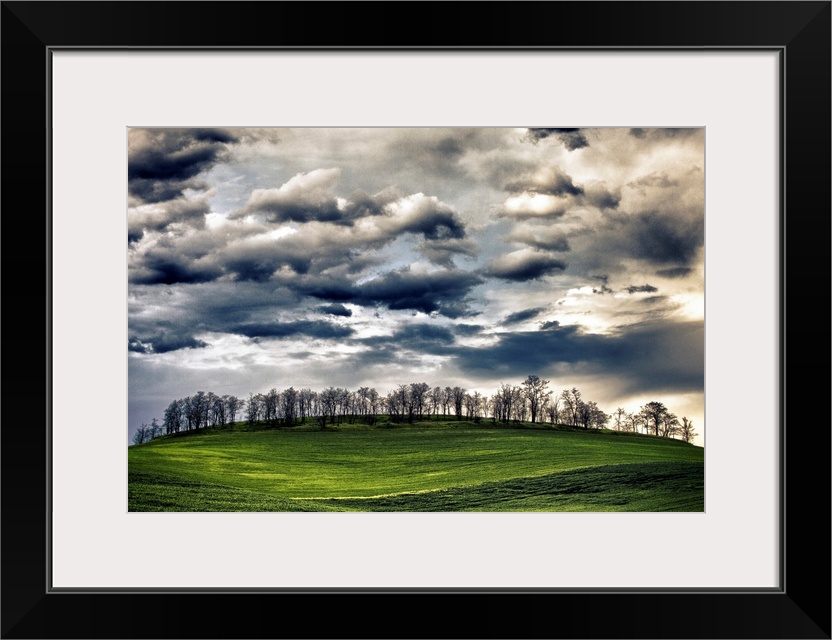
(427, 466)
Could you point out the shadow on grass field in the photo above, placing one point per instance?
(654, 486)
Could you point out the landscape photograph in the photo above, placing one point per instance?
(502, 319)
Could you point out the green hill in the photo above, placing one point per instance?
(427, 466)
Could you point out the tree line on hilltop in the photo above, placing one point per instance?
(530, 401)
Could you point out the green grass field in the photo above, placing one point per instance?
(427, 466)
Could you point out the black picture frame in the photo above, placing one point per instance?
(800, 608)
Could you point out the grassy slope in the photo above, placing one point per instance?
(428, 467)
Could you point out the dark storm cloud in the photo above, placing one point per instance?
(540, 133)
(227, 301)
(528, 200)
(650, 357)
(442, 292)
(311, 196)
(326, 288)
(598, 196)
(277, 211)
(546, 238)
(449, 147)
(662, 238)
(315, 329)
(655, 179)
(667, 240)
(418, 337)
(521, 316)
(572, 139)
(164, 339)
(223, 308)
(406, 346)
(555, 183)
(654, 300)
(252, 270)
(335, 310)
(549, 325)
(163, 163)
(360, 205)
(314, 249)
(168, 268)
(436, 153)
(468, 330)
(665, 133)
(443, 252)
(160, 216)
(167, 318)
(521, 266)
(305, 197)
(435, 220)
(676, 272)
(603, 288)
(261, 268)
(643, 288)
(530, 350)
(185, 257)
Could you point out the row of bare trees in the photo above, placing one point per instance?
(654, 418)
(530, 401)
(198, 411)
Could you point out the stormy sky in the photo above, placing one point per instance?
(261, 258)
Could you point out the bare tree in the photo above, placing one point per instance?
(480, 405)
(618, 416)
(495, 406)
(253, 408)
(670, 426)
(534, 391)
(343, 403)
(362, 401)
(197, 410)
(435, 400)
(470, 406)
(518, 403)
(418, 398)
(217, 409)
(585, 414)
(505, 401)
(142, 434)
(572, 405)
(552, 407)
(686, 430)
(447, 400)
(654, 412)
(458, 394)
(305, 401)
(288, 404)
(172, 420)
(232, 405)
(210, 409)
(373, 402)
(597, 418)
(271, 402)
(328, 408)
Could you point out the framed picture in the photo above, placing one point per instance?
(753, 79)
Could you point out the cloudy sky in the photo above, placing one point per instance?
(262, 258)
